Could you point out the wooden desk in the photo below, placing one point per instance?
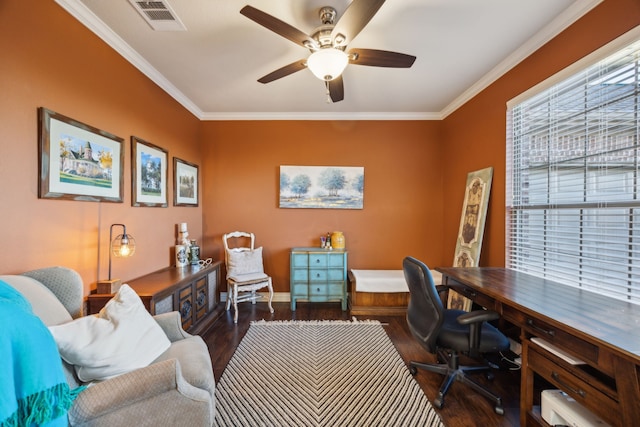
(601, 331)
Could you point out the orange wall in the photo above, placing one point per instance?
(414, 171)
(402, 174)
(49, 59)
(475, 135)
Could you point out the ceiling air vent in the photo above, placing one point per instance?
(158, 15)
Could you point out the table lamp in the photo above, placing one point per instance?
(122, 246)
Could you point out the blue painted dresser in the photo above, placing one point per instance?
(318, 275)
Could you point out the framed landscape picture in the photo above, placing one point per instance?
(77, 161)
(148, 174)
(185, 183)
(323, 187)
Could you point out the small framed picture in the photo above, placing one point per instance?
(149, 184)
(77, 161)
(185, 183)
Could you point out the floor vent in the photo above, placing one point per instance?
(159, 15)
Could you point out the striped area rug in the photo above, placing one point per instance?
(320, 373)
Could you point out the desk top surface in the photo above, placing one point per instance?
(612, 322)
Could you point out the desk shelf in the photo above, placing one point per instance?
(591, 392)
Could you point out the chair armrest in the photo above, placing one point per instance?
(108, 397)
(171, 324)
(475, 319)
(477, 316)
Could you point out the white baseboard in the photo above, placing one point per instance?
(277, 296)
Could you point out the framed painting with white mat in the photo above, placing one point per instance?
(471, 231)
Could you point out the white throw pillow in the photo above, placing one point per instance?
(121, 338)
(244, 262)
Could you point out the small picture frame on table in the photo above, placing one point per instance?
(185, 183)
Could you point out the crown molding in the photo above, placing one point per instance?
(228, 116)
(551, 30)
(83, 14)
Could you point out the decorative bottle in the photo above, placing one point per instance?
(194, 253)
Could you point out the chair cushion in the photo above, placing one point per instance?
(121, 338)
(44, 303)
(244, 262)
(249, 278)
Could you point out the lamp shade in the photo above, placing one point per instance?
(327, 63)
(124, 245)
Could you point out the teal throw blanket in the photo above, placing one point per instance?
(33, 389)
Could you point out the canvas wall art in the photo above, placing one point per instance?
(323, 187)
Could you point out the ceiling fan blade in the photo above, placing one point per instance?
(336, 89)
(284, 71)
(278, 26)
(354, 19)
(380, 58)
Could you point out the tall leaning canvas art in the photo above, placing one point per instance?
(471, 231)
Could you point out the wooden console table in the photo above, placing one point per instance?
(191, 290)
(600, 331)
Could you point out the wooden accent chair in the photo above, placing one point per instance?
(245, 271)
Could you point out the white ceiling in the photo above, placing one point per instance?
(212, 68)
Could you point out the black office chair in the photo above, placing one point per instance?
(447, 333)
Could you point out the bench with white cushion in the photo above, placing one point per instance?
(380, 292)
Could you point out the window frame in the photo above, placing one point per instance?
(562, 245)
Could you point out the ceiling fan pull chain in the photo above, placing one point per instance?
(329, 100)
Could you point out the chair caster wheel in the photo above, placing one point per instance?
(413, 370)
(499, 410)
(438, 402)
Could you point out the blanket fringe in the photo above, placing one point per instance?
(42, 407)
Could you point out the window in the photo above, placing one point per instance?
(573, 178)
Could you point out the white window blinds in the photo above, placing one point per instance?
(573, 202)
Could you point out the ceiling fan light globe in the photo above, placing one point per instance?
(328, 63)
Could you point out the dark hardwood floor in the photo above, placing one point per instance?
(463, 407)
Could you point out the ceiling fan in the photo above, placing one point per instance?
(327, 45)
